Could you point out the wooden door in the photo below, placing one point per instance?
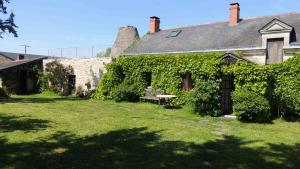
(227, 89)
(275, 51)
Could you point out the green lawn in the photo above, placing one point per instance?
(53, 132)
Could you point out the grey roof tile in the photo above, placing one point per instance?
(14, 56)
(12, 64)
(212, 36)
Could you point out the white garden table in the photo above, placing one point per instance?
(165, 97)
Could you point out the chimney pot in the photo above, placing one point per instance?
(20, 57)
(154, 24)
(234, 17)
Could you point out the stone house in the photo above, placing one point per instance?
(261, 40)
(18, 72)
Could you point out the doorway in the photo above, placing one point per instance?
(227, 89)
(23, 82)
(275, 51)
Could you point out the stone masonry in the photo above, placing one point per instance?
(86, 70)
(126, 37)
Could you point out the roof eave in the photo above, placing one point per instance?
(23, 63)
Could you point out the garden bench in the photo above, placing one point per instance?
(150, 98)
(151, 95)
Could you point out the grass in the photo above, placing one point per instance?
(47, 131)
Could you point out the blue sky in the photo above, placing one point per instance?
(48, 24)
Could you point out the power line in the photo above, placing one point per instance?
(78, 52)
(25, 48)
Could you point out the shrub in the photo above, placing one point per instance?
(42, 82)
(287, 87)
(3, 93)
(251, 106)
(80, 92)
(109, 82)
(49, 93)
(205, 98)
(58, 75)
(126, 93)
(90, 94)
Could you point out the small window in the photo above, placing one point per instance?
(174, 33)
(187, 82)
(72, 82)
(147, 76)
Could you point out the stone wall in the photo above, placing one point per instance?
(4, 59)
(86, 70)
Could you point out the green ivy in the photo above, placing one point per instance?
(251, 76)
(166, 70)
(125, 79)
(287, 86)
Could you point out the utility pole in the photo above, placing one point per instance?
(92, 51)
(76, 52)
(25, 48)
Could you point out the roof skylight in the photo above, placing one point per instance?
(174, 33)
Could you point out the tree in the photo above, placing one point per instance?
(58, 76)
(104, 54)
(7, 25)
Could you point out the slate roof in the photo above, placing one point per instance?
(14, 56)
(214, 36)
(12, 64)
(28, 58)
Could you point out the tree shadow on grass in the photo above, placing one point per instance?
(39, 100)
(140, 148)
(14, 123)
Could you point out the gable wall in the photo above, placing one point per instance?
(86, 70)
(4, 59)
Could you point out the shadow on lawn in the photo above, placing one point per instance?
(39, 100)
(139, 148)
(14, 123)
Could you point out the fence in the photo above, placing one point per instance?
(78, 52)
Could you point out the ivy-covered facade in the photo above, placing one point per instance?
(277, 85)
(218, 69)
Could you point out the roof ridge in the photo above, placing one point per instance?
(2, 52)
(273, 15)
(222, 22)
(190, 26)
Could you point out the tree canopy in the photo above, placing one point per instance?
(7, 25)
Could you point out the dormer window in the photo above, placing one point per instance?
(275, 36)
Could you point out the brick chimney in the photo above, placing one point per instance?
(234, 17)
(20, 57)
(154, 24)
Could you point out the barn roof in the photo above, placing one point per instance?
(13, 64)
(13, 56)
